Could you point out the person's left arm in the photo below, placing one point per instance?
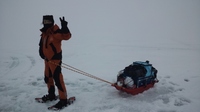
(63, 33)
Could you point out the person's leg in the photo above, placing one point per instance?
(58, 78)
(48, 78)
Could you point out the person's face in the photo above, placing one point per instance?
(47, 22)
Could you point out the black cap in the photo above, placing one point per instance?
(48, 19)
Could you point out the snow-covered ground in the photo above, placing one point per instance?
(107, 36)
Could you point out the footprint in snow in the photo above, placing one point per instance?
(167, 77)
(186, 80)
(181, 101)
(166, 111)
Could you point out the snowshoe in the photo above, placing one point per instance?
(62, 104)
(46, 98)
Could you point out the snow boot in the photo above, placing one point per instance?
(60, 105)
(47, 98)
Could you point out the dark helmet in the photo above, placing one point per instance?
(47, 22)
(48, 19)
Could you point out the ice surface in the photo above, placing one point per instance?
(106, 37)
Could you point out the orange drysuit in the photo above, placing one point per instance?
(50, 50)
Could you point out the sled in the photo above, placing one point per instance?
(136, 78)
(135, 91)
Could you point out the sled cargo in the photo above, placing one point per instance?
(136, 78)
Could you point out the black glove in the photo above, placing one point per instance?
(63, 22)
(64, 28)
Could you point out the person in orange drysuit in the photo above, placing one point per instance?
(50, 50)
